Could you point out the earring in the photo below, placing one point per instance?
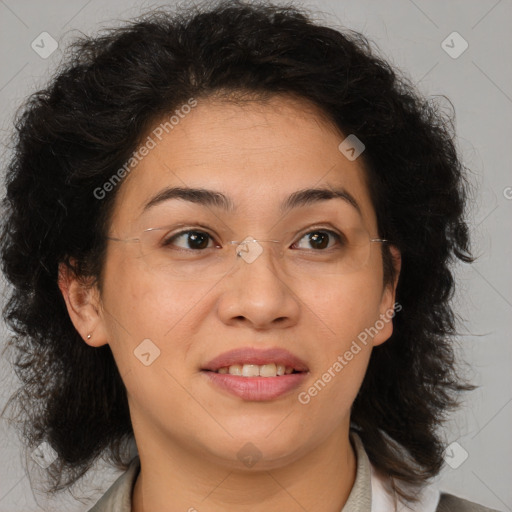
(89, 336)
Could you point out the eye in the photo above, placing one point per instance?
(195, 240)
(320, 238)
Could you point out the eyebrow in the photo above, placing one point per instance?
(213, 198)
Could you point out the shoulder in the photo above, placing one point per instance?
(118, 497)
(451, 503)
(371, 482)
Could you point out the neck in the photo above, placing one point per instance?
(175, 480)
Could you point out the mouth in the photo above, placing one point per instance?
(255, 370)
(256, 375)
(251, 362)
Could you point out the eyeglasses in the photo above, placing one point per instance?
(318, 252)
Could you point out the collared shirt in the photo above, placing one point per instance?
(369, 493)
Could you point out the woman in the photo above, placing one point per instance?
(228, 234)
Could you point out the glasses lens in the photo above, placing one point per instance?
(188, 255)
(325, 253)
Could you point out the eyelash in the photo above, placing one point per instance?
(167, 242)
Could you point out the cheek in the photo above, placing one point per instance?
(151, 324)
(140, 306)
(347, 314)
(343, 307)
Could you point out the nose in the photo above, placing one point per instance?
(255, 292)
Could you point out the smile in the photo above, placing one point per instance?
(255, 370)
(255, 374)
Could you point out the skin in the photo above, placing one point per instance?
(189, 433)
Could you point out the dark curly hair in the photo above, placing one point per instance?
(72, 136)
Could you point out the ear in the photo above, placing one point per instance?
(384, 325)
(84, 306)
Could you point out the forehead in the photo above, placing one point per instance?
(257, 153)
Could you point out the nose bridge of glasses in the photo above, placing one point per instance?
(251, 248)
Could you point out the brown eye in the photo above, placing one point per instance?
(320, 239)
(194, 240)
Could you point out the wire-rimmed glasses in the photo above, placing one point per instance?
(315, 253)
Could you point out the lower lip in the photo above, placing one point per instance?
(257, 389)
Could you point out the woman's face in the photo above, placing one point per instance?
(168, 330)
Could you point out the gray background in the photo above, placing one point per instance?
(479, 84)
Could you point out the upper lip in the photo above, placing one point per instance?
(250, 355)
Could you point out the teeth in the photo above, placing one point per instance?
(268, 370)
(250, 370)
(235, 369)
(254, 370)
